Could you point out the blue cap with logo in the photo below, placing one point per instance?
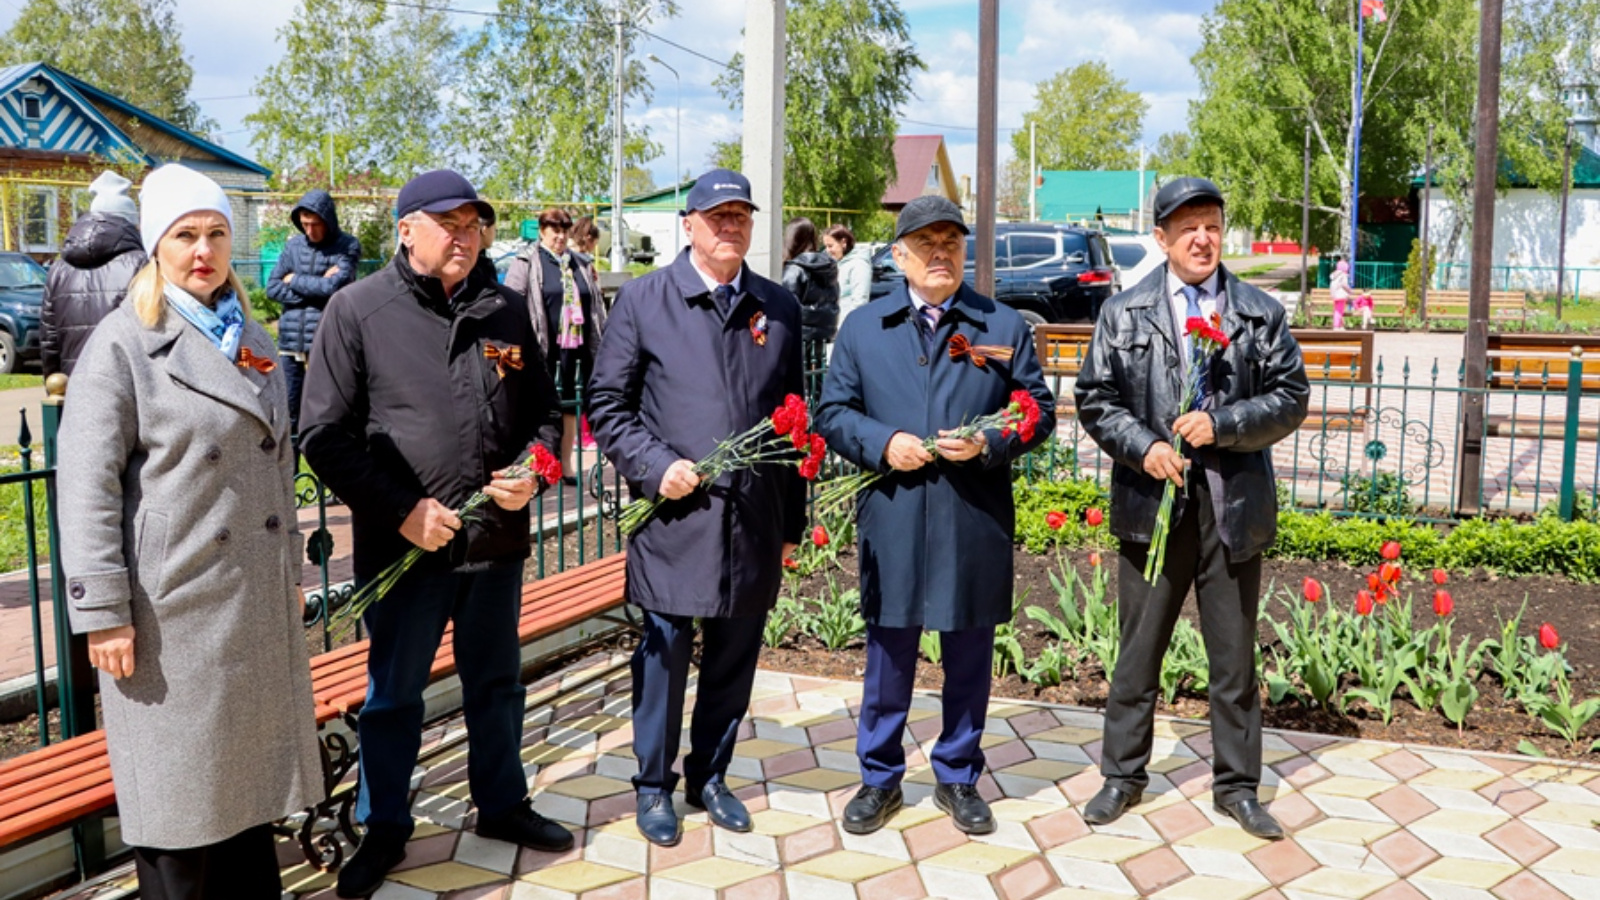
(440, 191)
(717, 187)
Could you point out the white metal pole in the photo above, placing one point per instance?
(765, 63)
(1140, 218)
(619, 244)
(1033, 173)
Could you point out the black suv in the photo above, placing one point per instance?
(21, 297)
(1047, 272)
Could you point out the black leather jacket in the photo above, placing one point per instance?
(1130, 387)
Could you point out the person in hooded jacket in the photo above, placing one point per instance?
(102, 253)
(813, 278)
(315, 264)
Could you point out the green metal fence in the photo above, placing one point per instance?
(1579, 281)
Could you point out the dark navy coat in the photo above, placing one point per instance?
(307, 295)
(671, 379)
(936, 543)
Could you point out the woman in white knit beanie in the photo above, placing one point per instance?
(183, 557)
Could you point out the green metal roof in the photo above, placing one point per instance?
(1080, 194)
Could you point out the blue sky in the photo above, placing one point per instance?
(1146, 42)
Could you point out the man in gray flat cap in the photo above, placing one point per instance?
(1253, 394)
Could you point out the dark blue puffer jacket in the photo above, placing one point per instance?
(307, 295)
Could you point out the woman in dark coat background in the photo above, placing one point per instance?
(568, 320)
(101, 255)
(813, 278)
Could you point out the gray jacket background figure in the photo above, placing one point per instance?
(1129, 395)
(182, 561)
(101, 255)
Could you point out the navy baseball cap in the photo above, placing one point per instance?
(1181, 191)
(717, 187)
(439, 191)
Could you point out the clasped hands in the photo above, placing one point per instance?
(906, 453)
(680, 481)
(1163, 463)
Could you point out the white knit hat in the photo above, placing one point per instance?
(110, 192)
(172, 192)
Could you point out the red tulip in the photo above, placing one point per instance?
(819, 536)
(1094, 516)
(1548, 638)
(1364, 603)
(1383, 594)
(1442, 603)
(1311, 589)
(1055, 519)
(1094, 558)
(1390, 573)
(1390, 551)
(789, 563)
(1440, 576)
(1374, 583)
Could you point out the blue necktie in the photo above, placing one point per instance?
(1192, 294)
(722, 295)
(930, 318)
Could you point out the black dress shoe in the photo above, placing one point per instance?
(1253, 818)
(961, 801)
(1109, 805)
(658, 821)
(382, 849)
(725, 810)
(871, 808)
(569, 480)
(525, 827)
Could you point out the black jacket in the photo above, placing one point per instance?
(102, 254)
(813, 278)
(1131, 385)
(307, 295)
(402, 403)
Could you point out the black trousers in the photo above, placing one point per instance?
(722, 695)
(1229, 595)
(243, 867)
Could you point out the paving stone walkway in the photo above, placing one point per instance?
(1369, 820)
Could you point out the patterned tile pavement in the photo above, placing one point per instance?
(1369, 820)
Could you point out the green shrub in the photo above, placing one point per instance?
(1037, 499)
(1414, 277)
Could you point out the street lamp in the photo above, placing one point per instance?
(677, 130)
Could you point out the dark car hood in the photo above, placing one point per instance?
(98, 238)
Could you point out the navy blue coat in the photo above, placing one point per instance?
(936, 543)
(305, 297)
(671, 379)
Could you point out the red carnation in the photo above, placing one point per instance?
(1364, 603)
(1055, 519)
(1094, 516)
(1548, 638)
(1390, 551)
(544, 464)
(1311, 589)
(1440, 576)
(1442, 603)
(799, 415)
(782, 420)
(819, 536)
(1194, 325)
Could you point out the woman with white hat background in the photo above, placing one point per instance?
(182, 559)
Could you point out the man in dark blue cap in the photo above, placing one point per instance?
(938, 527)
(426, 381)
(1252, 395)
(694, 353)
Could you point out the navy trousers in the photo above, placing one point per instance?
(406, 627)
(891, 674)
(728, 656)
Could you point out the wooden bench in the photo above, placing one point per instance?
(53, 787)
(1447, 305)
(1387, 303)
(1540, 363)
(1061, 350)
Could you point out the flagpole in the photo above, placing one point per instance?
(1355, 155)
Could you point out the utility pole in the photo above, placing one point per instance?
(1485, 164)
(1427, 198)
(765, 65)
(1355, 148)
(619, 241)
(1305, 227)
(1033, 172)
(1140, 218)
(988, 128)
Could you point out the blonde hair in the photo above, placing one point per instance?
(147, 293)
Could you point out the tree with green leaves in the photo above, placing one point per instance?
(130, 48)
(348, 82)
(1171, 154)
(1085, 118)
(537, 97)
(849, 69)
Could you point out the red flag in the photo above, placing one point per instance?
(1374, 8)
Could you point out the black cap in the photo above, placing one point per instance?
(929, 209)
(1187, 189)
(440, 191)
(717, 187)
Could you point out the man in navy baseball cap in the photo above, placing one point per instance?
(717, 187)
(441, 191)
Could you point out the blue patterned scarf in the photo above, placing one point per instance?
(223, 325)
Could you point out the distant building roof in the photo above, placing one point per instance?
(922, 166)
(1071, 195)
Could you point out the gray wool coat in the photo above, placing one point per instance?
(177, 517)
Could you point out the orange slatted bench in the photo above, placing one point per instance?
(65, 783)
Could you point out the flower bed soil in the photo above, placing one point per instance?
(1495, 724)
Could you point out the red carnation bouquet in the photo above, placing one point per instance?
(1020, 416)
(1207, 339)
(539, 463)
(780, 438)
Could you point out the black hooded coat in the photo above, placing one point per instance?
(102, 253)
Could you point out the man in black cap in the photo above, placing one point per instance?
(425, 382)
(938, 527)
(694, 353)
(1252, 395)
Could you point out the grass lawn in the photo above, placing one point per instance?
(13, 522)
(20, 380)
